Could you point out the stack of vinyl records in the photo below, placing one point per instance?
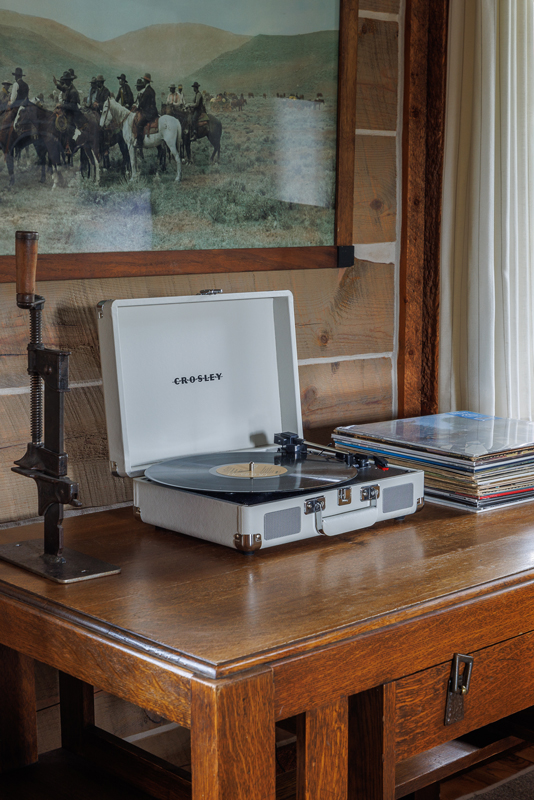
(470, 461)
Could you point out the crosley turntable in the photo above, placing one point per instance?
(203, 410)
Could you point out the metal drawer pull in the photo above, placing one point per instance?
(458, 688)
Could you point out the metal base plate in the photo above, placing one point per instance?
(70, 567)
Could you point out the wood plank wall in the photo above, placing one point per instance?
(346, 341)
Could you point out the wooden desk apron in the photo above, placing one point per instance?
(227, 644)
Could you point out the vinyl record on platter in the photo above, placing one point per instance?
(250, 472)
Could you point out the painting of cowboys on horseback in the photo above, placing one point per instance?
(168, 125)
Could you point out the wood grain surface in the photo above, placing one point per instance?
(112, 714)
(233, 739)
(387, 6)
(347, 391)
(483, 778)
(18, 728)
(171, 744)
(159, 687)
(421, 699)
(434, 765)
(440, 582)
(422, 156)
(435, 145)
(85, 443)
(383, 576)
(322, 752)
(375, 189)
(70, 266)
(378, 67)
(337, 312)
(346, 120)
(372, 744)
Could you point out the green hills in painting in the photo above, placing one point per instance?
(218, 60)
(302, 64)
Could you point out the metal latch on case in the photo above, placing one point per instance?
(458, 687)
(344, 496)
(370, 493)
(316, 506)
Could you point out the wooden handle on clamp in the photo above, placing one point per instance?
(26, 243)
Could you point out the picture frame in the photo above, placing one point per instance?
(69, 266)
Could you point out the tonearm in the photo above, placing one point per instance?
(291, 444)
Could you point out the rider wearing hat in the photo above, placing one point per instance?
(60, 84)
(198, 108)
(70, 99)
(147, 110)
(19, 91)
(174, 98)
(69, 102)
(124, 95)
(91, 97)
(102, 94)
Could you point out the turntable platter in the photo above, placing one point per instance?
(250, 472)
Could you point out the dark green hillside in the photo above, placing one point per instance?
(40, 60)
(303, 64)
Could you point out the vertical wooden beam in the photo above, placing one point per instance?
(322, 752)
(435, 147)
(18, 718)
(77, 710)
(233, 739)
(413, 208)
(346, 121)
(422, 167)
(372, 744)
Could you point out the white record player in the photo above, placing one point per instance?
(198, 391)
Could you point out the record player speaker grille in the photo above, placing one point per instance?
(397, 498)
(281, 523)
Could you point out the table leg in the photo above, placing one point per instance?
(233, 739)
(77, 709)
(372, 744)
(322, 752)
(18, 718)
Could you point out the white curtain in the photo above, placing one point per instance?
(487, 253)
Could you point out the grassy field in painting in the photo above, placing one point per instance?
(274, 186)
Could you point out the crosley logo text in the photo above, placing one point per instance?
(215, 376)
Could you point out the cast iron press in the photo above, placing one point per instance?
(45, 460)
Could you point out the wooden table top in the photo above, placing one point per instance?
(202, 605)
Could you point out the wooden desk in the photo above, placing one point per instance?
(351, 636)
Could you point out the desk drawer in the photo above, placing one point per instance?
(502, 683)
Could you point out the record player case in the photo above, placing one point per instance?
(215, 373)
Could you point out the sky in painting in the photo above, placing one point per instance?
(106, 19)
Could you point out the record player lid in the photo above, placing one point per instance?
(197, 374)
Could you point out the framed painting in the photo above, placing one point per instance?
(177, 136)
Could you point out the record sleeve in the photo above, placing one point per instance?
(461, 434)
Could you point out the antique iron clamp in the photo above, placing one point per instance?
(45, 460)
